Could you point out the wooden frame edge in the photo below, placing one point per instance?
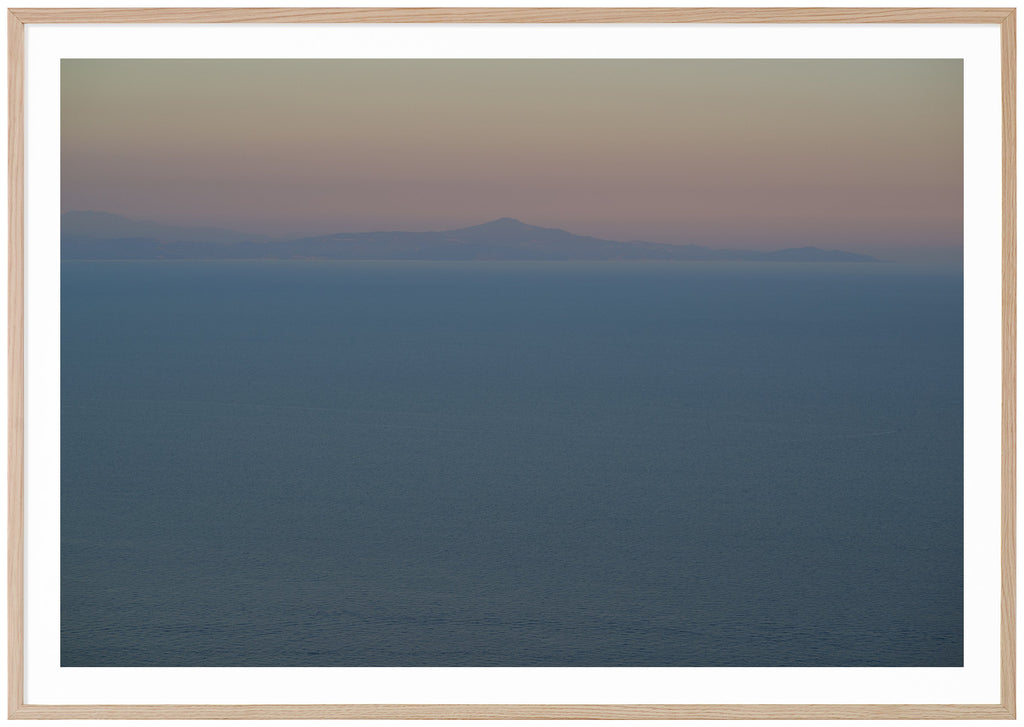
(15, 363)
(512, 15)
(1008, 501)
(17, 18)
(520, 711)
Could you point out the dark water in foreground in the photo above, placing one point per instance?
(536, 464)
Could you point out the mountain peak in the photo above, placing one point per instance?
(92, 235)
(502, 227)
(502, 223)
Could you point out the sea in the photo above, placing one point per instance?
(565, 464)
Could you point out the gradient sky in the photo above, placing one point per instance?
(860, 155)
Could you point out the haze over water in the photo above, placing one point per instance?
(511, 464)
(863, 155)
(357, 463)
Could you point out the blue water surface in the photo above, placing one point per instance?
(511, 464)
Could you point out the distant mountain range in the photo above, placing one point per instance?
(105, 236)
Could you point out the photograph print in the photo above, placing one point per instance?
(469, 363)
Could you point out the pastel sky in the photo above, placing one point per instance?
(860, 155)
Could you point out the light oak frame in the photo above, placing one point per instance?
(1005, 18)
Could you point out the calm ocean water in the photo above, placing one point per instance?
(511, 464)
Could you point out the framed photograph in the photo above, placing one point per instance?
(522, 363)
